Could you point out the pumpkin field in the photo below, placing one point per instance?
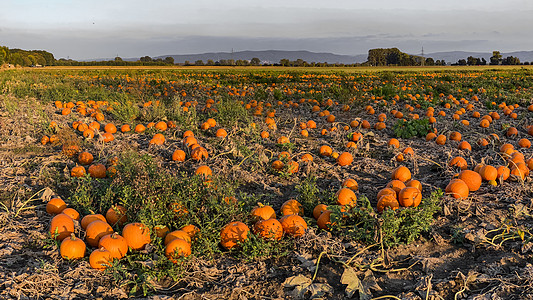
(266, 183)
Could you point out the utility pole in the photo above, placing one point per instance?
(423, 60)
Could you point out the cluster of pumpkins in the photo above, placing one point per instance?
(267, 226)
(109, 245)
(401, 191)
(467, 181)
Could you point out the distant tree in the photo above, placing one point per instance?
(255, 61)
(40, 60)
(284, 62)
(526, 63)
(26, 61)
(118, 58)
(199, 62)
(187, 63)
(241, 62)
(461, 62)
(16, 59)
(299, 62)
(472, 61)
(145, 59)
(48, 57)
(33, 59)
(496, 58)
(511, 60)
(429, 62)
(392, 56)
(169, 60)
(210, 62)
(4, 52)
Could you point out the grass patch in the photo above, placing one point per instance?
(393, 227)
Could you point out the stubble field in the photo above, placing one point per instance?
(251, 139)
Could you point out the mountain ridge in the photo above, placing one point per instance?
(274, 56)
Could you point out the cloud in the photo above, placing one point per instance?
(136, 28)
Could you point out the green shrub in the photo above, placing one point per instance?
(407, 129)
(392, 227)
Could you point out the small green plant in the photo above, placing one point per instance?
(405, 225)
(256, 248)
(286, 146)
(458, 235)
(124, 109)
(392, 227)
(407, 129)
(231, 112)
(308, 193)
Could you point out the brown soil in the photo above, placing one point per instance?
(453, 261)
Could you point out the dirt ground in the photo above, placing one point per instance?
(473, 251)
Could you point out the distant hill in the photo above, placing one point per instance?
(270, 56)
(274, 56)
(454, 56)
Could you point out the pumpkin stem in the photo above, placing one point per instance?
(72, 236)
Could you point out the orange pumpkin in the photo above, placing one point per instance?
(263, 212)
(345, 159)
(85, 158)
(324, 221)
(100, 259)
(291, 207)
(346, 196)
(401, 173)
(457, 188)
(115, 244)
(88, 219)
(293, 225)
(97, 171)
(72, 248)
(488, 173)
(96, 230)
(62, 225)
(177, 234)
(458, 161)
(177, 248)
(116, 215)
(409, 196)
(351, 184)
(318, 210)
(55, 206)
(199, 153)
(472, 179)
(269, 229)
(137, 235)
(387, 201)
(233, 233)
(178, 155)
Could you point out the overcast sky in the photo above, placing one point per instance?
(134, 28)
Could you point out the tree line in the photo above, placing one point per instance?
(118, 61)
(495, 60)
(376, 57)
(394, 57)
(26, 58)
